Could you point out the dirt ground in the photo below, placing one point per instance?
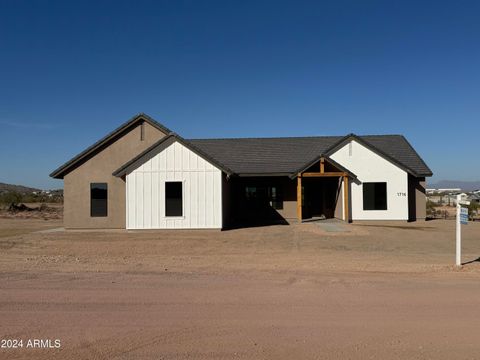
(371, 291)
(24, 222)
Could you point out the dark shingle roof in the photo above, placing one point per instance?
(262, 156)
(399, 149)
(265, 155)
(287, 155)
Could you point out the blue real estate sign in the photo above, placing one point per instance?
(464, 216)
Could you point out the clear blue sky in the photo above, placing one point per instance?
(71, 72)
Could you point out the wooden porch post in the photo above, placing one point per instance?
(345, 198)
(299, 197)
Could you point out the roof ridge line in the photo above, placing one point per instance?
(294, 137)
(272, 137)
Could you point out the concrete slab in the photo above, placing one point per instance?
(332, 225)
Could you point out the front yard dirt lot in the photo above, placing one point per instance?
(373, 291)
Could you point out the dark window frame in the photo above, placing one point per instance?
(261, 193)
(379, 192)
(98, 202)
(174, 206)
(276, 197)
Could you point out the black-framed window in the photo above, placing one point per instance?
(276, 197)
(98, 199)
(173, 198)
(265, 194)
(375, 196)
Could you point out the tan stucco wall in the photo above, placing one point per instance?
(99, 169)
(417, 200)
(289, 210)
(339, 204)
(421, 199)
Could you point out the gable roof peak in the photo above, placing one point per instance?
(161, 145)
(64, 169)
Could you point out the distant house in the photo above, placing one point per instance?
(444, 191)
(144, 176)
(474, 197)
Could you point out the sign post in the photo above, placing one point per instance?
(462, 219)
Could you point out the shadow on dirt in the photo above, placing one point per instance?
(471, 261)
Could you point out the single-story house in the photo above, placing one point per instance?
(144, 176)
(474, 198)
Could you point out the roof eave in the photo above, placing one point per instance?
(271, 174)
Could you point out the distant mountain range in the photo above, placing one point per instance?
(17, 188)
(455, 184)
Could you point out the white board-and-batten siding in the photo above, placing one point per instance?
(202, 191)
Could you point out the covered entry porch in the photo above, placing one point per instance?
(323, 191)
(320, 191)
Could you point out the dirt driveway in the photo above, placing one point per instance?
(377, 290)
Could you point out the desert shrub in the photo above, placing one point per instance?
(473, 209)
(431, 208)
(10, 198)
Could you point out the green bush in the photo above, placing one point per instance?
(15, 198)
(10, 198)
(473, 209)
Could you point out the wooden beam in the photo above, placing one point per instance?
(325, 174)
(345, 199)
(299, 198)
(322, 165)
